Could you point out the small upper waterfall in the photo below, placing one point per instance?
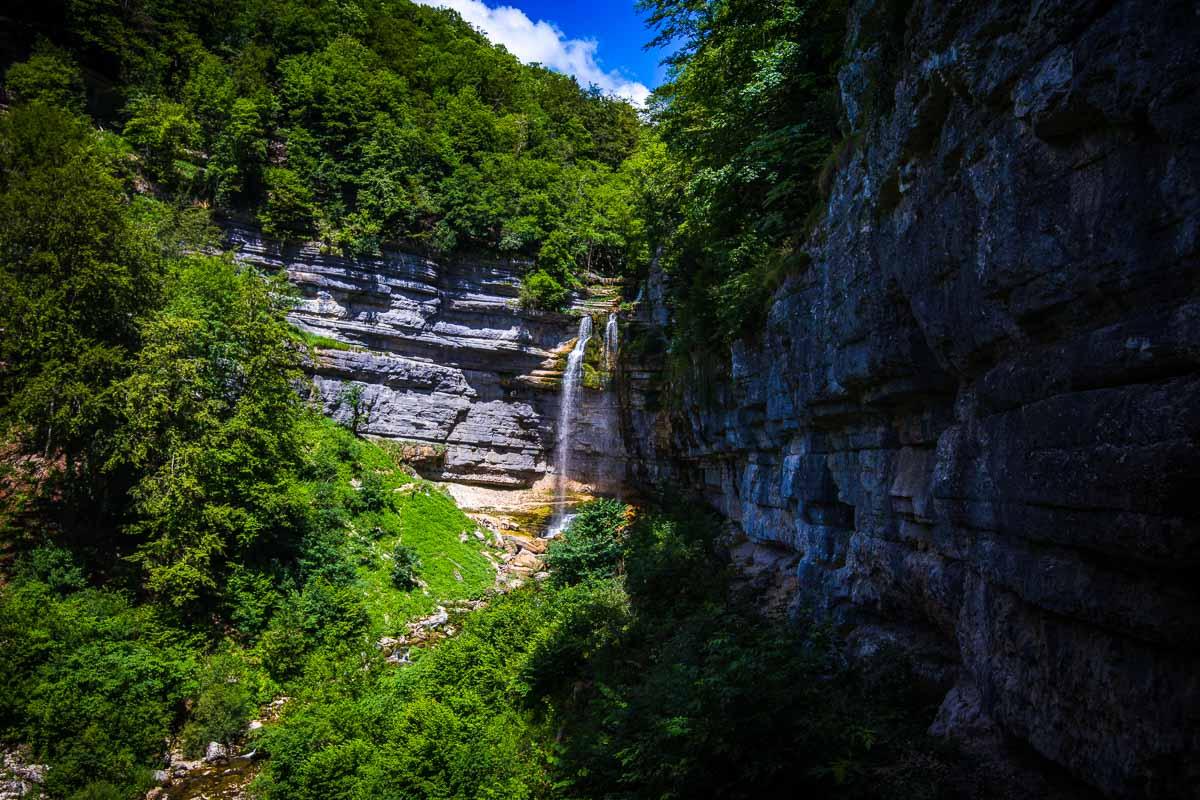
(610, 343)
(568, 406)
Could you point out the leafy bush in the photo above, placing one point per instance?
(288, 211)
(50, 76)
(251, 597)
(210, 428)
(283, 645)
(541, 291)
(165, 134)
(457, 724)
(323, 550)
(76, 273)
(374, 494)
(91, 682)
(56, 567)
(332, 613)
(405, 563)
(224, 705)
(592, 545)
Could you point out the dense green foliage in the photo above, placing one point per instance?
(77, 271)
(92, 681)
(191, 539)
(162, 472)
(356, 123)
(225, 700)
(654, 683)
(594, 546)
(96, 679)
(405, 563)
(50, 76)
(210, 426)
(748, 117)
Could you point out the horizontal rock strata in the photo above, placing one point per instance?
(441, 355)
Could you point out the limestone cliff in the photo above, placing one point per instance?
(974, 417)
(445, 360)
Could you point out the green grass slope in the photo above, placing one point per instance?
(388, 507)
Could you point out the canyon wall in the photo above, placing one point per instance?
(970, 425)
(444, 361)
(972, 421)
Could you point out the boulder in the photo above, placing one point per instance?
(526, 560)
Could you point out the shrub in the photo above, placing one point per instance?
(91, 682)
(250, 597)
(374, 494)
(54, 566)
(591, 546)
(332, 613)
(165, 135)
(322, 552)
(358, 411)
(405, 564)
(223, 707)
(289, 212)
(50, 76)
(283, 645)
(540, 290)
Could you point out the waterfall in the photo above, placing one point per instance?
(568, 405)
(610, 343)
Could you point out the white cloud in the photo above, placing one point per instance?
(544, 43)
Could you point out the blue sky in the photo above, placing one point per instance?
(598, 42)
(617, 26)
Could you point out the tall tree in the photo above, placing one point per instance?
(210, 426)
(76, 274)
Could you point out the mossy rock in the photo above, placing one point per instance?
(592, 377)
(532, 521)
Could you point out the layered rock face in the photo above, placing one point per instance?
(974, 418)
(438, 355)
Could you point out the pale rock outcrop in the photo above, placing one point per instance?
(444, 357)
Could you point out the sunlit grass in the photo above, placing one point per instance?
(390, 507)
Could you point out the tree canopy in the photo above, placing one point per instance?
(359, 124)
(748, 117)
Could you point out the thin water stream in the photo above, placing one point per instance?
(568, 409)
(610, 343)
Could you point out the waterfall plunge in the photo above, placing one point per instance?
(568, 406)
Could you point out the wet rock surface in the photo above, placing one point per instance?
(974, 417)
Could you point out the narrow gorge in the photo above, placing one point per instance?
(969, 426)
(408, 418)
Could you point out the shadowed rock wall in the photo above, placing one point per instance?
(975, 416)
